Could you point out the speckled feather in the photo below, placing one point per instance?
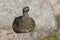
(23, 24)
(20, 25)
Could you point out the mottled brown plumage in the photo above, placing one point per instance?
(23, 24)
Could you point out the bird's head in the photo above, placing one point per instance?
(25, 9)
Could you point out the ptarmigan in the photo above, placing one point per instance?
(25, 23)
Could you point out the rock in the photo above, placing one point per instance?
(40, 10)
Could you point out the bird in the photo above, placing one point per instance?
(24, 23)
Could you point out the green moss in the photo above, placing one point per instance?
(53, 36)
(58, 20)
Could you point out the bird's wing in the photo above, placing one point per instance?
(16, 21)
(33, 22)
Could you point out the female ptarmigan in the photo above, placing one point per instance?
(23, 24)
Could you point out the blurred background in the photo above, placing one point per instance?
(56, 5)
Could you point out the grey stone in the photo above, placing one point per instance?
(40, 10)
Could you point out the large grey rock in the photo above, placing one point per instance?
(40, 10)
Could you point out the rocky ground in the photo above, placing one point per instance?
(6, 32)
(54, 35)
